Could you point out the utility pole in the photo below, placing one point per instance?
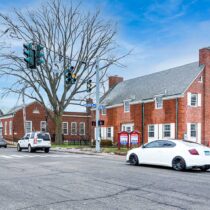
(97, 107)
(24, 111)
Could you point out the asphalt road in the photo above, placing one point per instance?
(74, 181)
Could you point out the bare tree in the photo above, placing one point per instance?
(69, 38)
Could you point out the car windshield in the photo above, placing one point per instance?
(44, 136)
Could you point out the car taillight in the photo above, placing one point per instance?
(193, 152)
(35, 140)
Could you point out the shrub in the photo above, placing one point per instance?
(104, 143)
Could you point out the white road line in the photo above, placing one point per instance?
(18, 156)
(7, 157)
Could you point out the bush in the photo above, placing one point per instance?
(104, 143)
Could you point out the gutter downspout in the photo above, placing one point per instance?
(142, 127)
(177, 108)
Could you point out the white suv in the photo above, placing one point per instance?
(35, 141)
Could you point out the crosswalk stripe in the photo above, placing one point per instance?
(4, 156)
(18, 156)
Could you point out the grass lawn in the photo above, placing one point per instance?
(114, 150)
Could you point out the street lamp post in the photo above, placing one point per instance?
(97, 107)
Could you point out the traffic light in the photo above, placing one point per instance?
(89, 85)
(39, 55)
(29, 52)
(70, 77)
(67, 75)
(73, 78)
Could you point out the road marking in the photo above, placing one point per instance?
(4, 156)
(18, 156)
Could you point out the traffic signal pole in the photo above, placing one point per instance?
(97, 107)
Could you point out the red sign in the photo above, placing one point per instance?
(134, 138)
(123, 139)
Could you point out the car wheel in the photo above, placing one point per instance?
(5, 146)
(204, 168)
(19, 148)
(46, 150)
(30, 149)
(133, 159)
(178, 164)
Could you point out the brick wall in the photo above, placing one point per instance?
(35, 112)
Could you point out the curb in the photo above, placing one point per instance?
(85, 153)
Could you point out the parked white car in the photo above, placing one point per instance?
(178, 154)
(35, 141)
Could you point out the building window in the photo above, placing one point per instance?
(151, 131)
(167, 130)
(5, 128)
(127, 106)
(194, 100)
(73, 128)
(193, 130)
(127, 127)
(82, 128)
(159, 102)
(10, 127)
(103, 111)
(109, 132)
(43, 126)
(28, 126)
(200, 79)
(65, 128)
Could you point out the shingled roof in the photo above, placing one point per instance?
(169, 82)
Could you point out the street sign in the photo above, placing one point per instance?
(90, 105)
(100, 123)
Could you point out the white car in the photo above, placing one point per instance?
(35, 141)
(178, 154)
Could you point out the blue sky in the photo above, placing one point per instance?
(161, 33)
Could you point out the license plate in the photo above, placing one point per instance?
(207, 152)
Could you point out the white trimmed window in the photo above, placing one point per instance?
(10, 127)
(200, 79)
(193, 130)
(151, 131)
(82, 128)
(167, 130)
(73, 128)
(103, 111)
(5, 128)
(127, 106)
(43, 126)
(28, 126)
(194, 100)
(127, 127)
(109, 132)
(65, 128)
(159, 102)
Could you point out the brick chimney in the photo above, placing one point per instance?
(114, 80)
(204, 59)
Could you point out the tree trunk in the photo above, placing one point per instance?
(58, 129)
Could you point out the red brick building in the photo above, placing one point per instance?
(75, 125)
(174, 103)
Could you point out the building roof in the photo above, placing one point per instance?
(169, 82)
